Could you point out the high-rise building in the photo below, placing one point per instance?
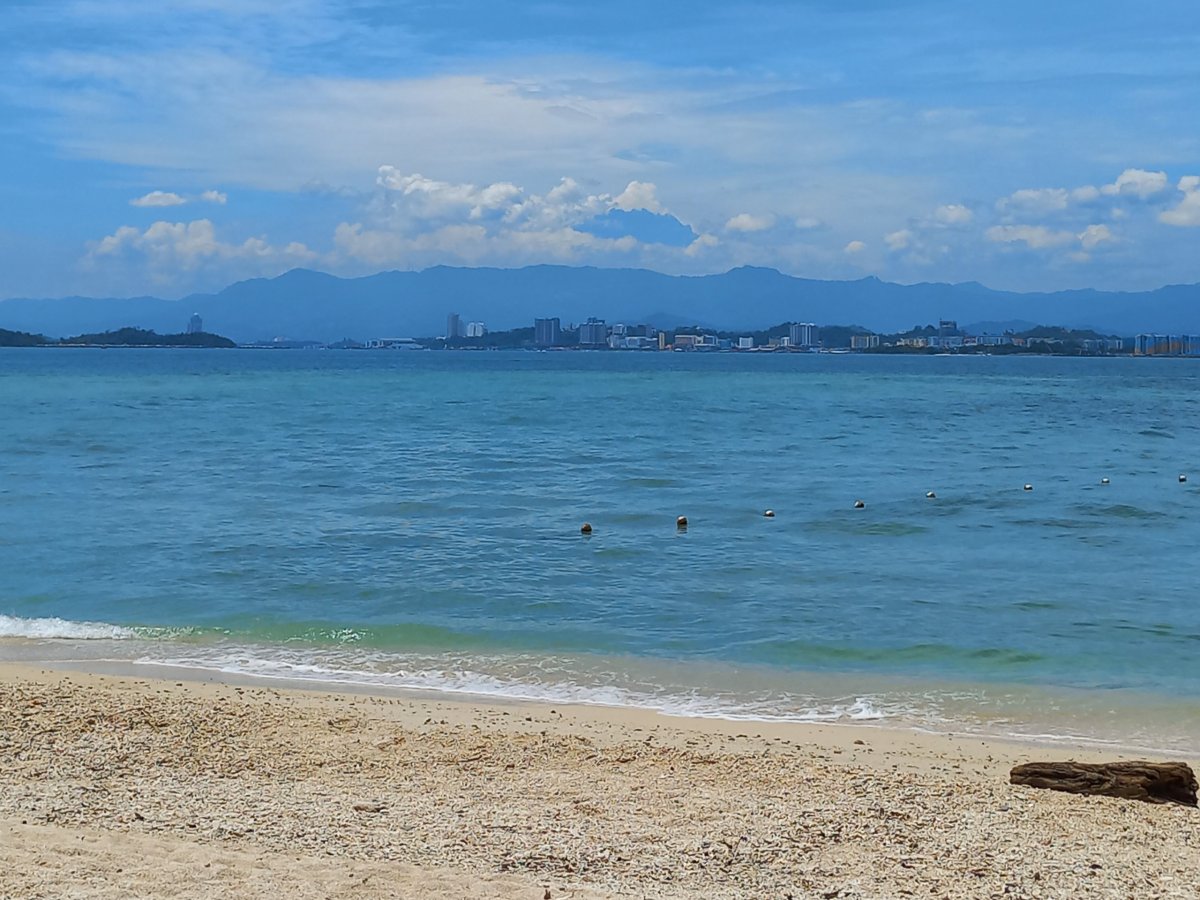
(803, 334)
(453, 326)
(476, 329)
(547, 332)
(593, 333)
(195, 324)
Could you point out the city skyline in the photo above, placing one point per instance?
(175, 148)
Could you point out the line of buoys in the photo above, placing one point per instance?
(681, 522)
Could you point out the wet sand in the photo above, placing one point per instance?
(120, 786)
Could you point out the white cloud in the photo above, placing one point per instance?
(639, 195)
(1035, 200)
(214, 197)
(747, 222)
(1137, 183)
(1085, 194)
(1187, 213)
(1037, 237)
(854, 247)
(898, 240)
(953, 214)
(189, 245)
(700, 244)
(158, 198)
(438, 198)
(808, 223)
(1095, 235)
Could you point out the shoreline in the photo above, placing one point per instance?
(983, 726)
(245, 789)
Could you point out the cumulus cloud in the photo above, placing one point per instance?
(440, 197)
(639, 195)
(1036, 237)
(1095, 235)
(953, 214)
(1039, 237)
(1035, 200)
(700, 244)
(854, 247)
(216, 197)
(1187, 213)
(1137, 183)
(747, 222)
(808, 223)
(898, 240)
(158, 198)
(188, 245)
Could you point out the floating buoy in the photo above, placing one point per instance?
(681, 522)
(858, 504)
(1183, 479)
(1028, 487)
(769, 514)
(585, 528)
(1104, 481)
(930, 495)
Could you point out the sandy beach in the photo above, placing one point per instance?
(118, 786)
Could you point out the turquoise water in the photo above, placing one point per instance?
(412, 520)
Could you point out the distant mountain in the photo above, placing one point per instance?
(307, 305)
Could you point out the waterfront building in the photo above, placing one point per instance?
(476, 329)
(453, 326)
(547, 332)
(745, 343)
(864, 341)
(686, 341)
(803, 334)
(195, 324)
(593, 333)
(392, 344)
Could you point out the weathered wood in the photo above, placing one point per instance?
(1172, 782)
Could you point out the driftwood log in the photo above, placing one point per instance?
(1172, 782)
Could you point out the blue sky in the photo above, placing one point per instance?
(158, 147)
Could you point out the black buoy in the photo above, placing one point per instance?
(1028, 487)
(858, 504)
(681, 522)
(1104, 481)
(1183, 479)
(585, 528)
(930, 495)
(769, 514)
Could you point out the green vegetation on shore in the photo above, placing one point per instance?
(122, 337)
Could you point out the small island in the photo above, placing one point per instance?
(122, 337)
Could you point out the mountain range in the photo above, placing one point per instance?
(307, 305)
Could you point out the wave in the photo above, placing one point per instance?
(427, 676)
(16, 627)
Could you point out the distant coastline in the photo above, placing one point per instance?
(123, 337)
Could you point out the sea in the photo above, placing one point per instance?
(403, 521)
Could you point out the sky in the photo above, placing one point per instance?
(164, 148)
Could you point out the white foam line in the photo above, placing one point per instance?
(52, 628)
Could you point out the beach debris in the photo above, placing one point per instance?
(368, 807)
(768, 514)
(1171, 782)
(681, 522)
(585, 528)
(858, 504)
